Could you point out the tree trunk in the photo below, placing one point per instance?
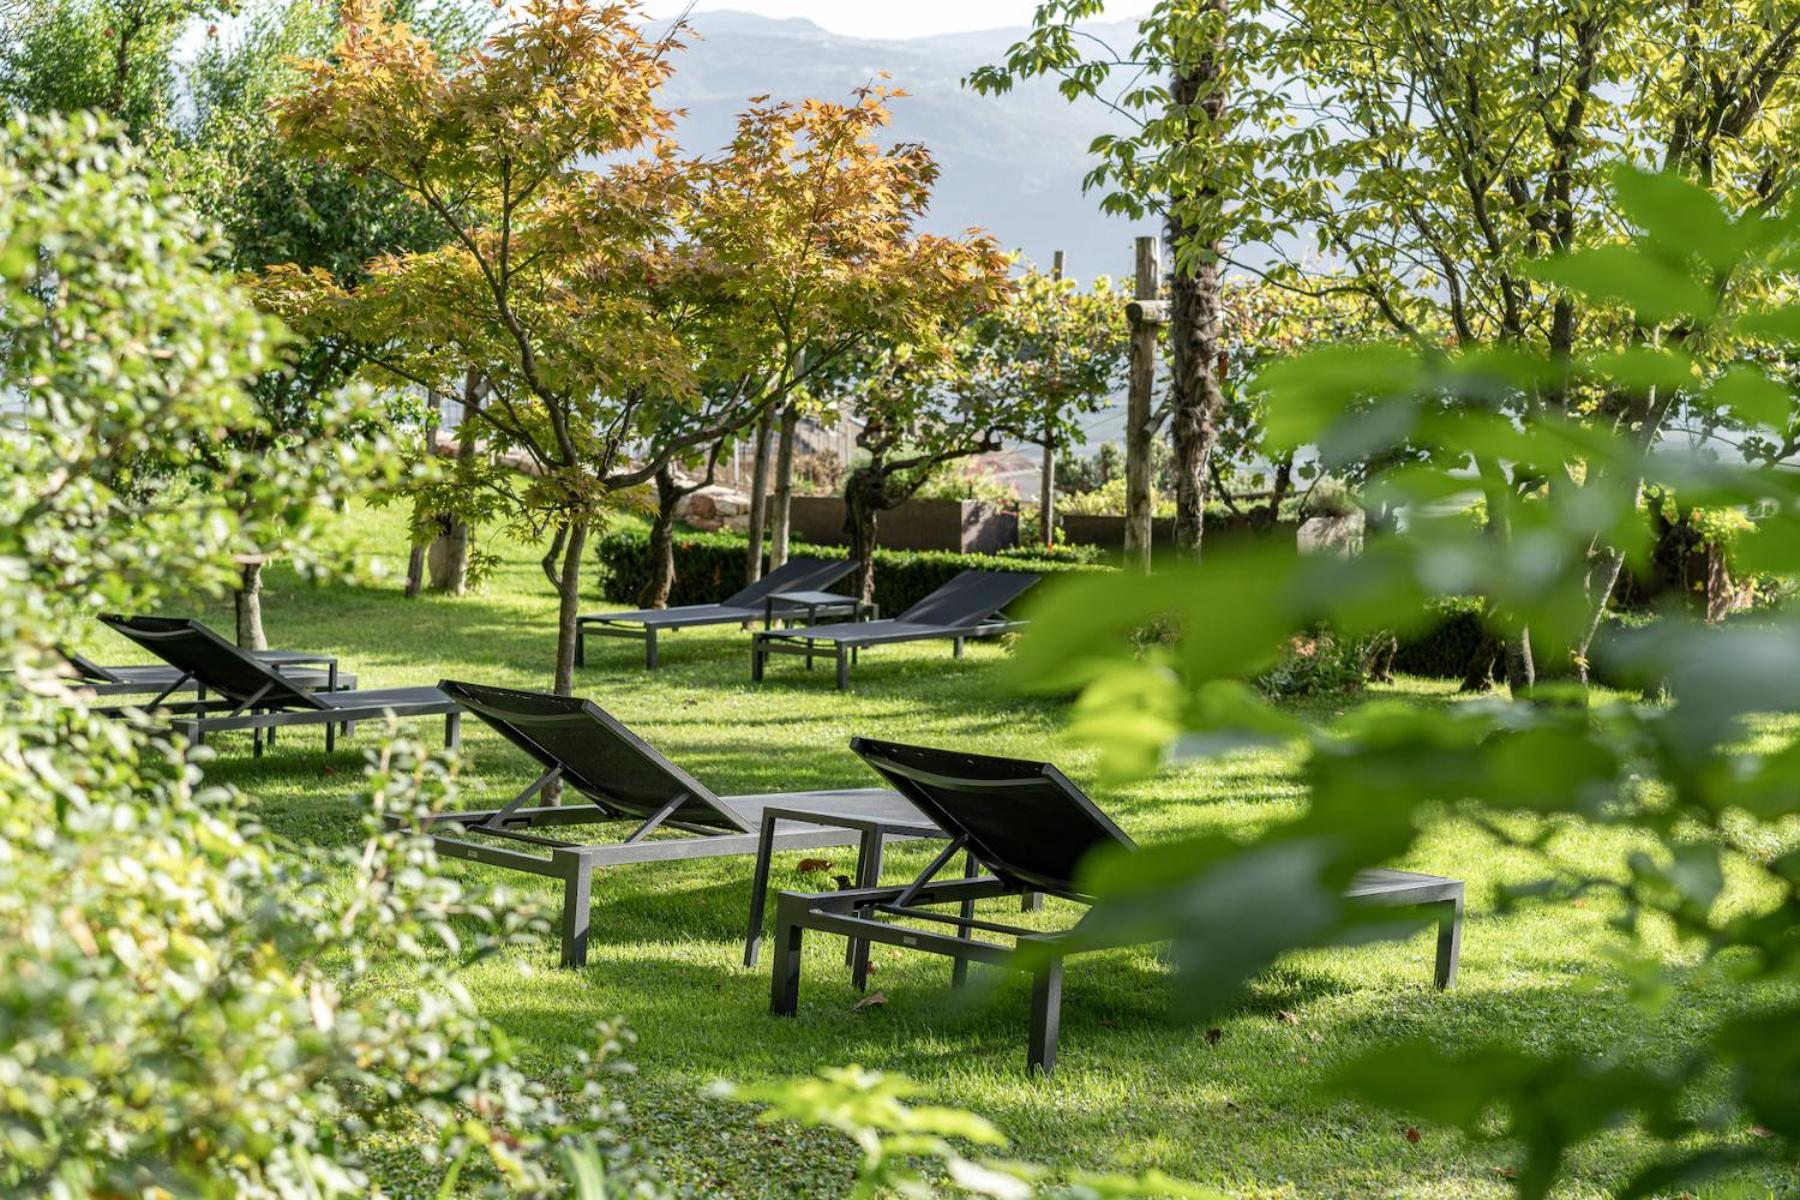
(1521, 671)
(1603, 580)
(415, 571)
(448, 558)
(862, 502)
(759, 488)
(1478, 672)
(662, 542)
(415, 561)
(249, 607)
(782, 513)
(1196, 401)
(551, 562)
(569, 608)
(1047, 500)
(1138, 405)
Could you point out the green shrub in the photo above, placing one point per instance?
(710, 567)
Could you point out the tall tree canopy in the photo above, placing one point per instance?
(619, 303)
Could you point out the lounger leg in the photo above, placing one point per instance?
(959, 970)
(956, 645)
(759, 892)
(1031, 902)
(580, 646)
(1046, 1017)
(650, 650)
(331, 728)
(257, 741)
(1449, 943)
(453, 731)
(784, 989)
(843, 669)
(869, 869)
(578, 882)
(809, 658)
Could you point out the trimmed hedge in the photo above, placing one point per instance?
(1444, 648)
(710, 567)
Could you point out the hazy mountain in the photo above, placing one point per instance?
(1012, 165)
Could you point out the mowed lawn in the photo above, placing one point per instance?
(1140, 1083)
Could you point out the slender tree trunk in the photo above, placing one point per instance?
(552, 560)
(569, 607)
(862, 502)
(1138, 434)
(415, 561)
(759, 489)
(249, 607)
(1603, 580)
(1478, 672)
(460, 538)
(783, 508)
(1197, 400)
(1521, 671)
(1047, 488)
(662, 542)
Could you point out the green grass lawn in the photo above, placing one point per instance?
(1139, 1084)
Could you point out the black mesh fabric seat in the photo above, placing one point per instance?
(623, 778)
(312, 670)
(748, 604)
(971, 605)
(255, 695)
(1029, 828)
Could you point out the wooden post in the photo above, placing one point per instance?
(1147, 313)
(1047, 486)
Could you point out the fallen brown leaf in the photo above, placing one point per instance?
(872, 1000)
(1213, 1035)
(810, 866)
(1413, 1135)
(1288, 1018)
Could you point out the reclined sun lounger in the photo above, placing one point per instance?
(308, 670)
(971, 605)
(256, 696)
(750, 604)
(627, 781)
(1028, 825)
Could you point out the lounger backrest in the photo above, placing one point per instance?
(1025, 821)
(213, 662)
(86, 669)
(599, 757)
(969, 599)
(794, 575)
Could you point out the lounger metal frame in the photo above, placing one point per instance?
(904, 916)
(843, 645)
(574, 863)
(743, 607)
(278, 703)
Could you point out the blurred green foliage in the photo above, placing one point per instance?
(1672, 760)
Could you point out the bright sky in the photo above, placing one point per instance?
(889, 18)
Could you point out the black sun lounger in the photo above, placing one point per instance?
(1030, 827)
(626, 780)
(971, 605)
(750, 604)
(308, 670)
(254, 695)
